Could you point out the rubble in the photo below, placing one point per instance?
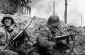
(40, 23)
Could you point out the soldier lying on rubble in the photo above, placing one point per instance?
(45, 42)
(8, 31)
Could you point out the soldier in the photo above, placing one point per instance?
(45, 39)
(6, 32)
(10, 31)
(8, 27)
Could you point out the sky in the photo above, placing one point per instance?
(76, 10)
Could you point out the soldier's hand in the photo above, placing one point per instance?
(54, 45)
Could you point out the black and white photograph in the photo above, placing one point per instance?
(42, 27)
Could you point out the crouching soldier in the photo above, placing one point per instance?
(45, 38)
(45, 41)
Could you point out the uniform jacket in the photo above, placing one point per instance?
(45, 39)
(5, 35)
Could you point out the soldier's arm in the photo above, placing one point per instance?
(44, 42)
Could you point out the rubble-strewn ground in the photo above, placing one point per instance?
(40, 23)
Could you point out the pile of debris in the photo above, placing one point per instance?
(40, 23)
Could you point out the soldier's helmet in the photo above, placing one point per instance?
(7, 17)
(53, 20)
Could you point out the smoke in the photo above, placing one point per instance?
(44, 8)
(74, 17)
(75, 10)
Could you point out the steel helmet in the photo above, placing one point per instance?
(53, 20)
(7, 17)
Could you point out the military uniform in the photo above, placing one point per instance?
(5, 35)
(10, 31)
(45, 39)
(2, 35)
(46, 42)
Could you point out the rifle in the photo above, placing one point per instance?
(13, 39)
(59, 38)
(64, 36)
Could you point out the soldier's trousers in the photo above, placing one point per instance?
(7, 52)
